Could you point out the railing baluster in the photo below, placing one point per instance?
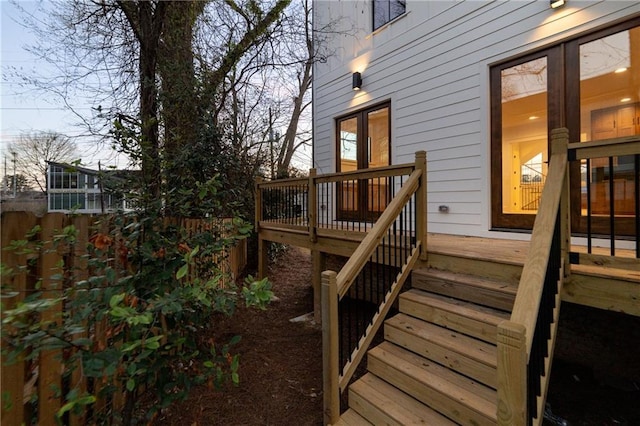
(588, 180)
(636, 184)
(612, 198)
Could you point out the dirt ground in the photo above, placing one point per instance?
(594, 382)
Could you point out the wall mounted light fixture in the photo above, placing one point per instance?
(356, 83)
(557, 3)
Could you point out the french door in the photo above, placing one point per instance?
(363, 143)
(591, 85)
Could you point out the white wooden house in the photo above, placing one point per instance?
(478, 85)
(489, 153)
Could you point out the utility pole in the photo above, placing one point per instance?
(14, 173)
(273, 173)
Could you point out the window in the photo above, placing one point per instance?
(363, 142)
(386, 11)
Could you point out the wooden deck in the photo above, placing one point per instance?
(600, 281)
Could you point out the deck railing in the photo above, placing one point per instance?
(610, 196)
(526, 340)
(341, 206)
(372, 278)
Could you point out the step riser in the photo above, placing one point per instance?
(424, 391)
(478, 371)
(461, 291)
(505, 272)
(478, 329)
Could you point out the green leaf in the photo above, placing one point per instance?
(116, 299)
(131, 385)
(182, 271)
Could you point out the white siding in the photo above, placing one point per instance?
(433, 64)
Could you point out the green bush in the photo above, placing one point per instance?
(138, 312)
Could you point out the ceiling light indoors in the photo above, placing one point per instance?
(557, 3)
(625, 99)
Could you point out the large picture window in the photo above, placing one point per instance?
(386, 11)
(362, 143)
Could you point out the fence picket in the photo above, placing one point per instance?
(13, 376)
(50, 369)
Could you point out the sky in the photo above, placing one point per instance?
(23, 109)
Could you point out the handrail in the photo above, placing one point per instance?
(276, 183)
(531, 281)
(603, 148)
(526, 340)
(356, 262)
(393, 170)
(336, 286)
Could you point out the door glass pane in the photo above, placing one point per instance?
(378, 138)
(349, 144)
(349, 161)
(377, 156)
(524, 135)
(609, 109)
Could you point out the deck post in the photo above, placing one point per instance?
(559, 144)
(312, 205)
(512, 374)
(421, 203)
(318, 263)
(330, 368)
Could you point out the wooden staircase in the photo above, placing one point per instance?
(437, 365)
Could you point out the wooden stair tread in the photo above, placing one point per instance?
(512, 252)
(381, 403)
(477, 349)
(471, 280)
(468, 318)
(471, 310)
(611, 273)
(466, 355)
(482, 313)
(457, 397)
(484, 291)
(351, 418)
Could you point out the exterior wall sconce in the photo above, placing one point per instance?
(557, 3)
(356, 83)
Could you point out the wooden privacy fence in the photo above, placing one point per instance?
(43, 377)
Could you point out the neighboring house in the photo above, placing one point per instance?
(478, 85)
(82, 190)
(509, 100)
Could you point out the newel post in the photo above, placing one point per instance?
(559, 145)
(330, 367)
(421, 203)
(512, 374)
